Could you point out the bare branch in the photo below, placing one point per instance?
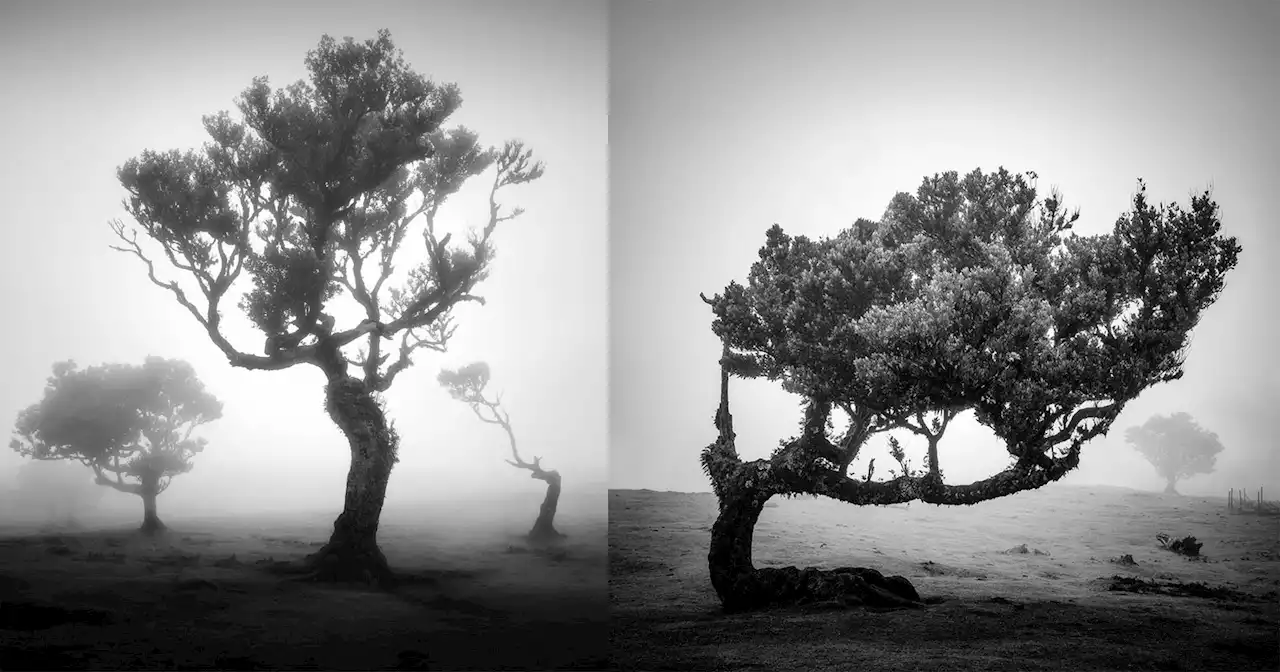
(1081, 415)
(208, 319)
(118, 484)
(437, 338)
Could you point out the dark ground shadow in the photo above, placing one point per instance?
(210, 597)
(985, 608)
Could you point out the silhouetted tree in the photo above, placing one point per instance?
(309, 195)
(969, 295)
(130, 424)
(467, 384)
(1176, 445)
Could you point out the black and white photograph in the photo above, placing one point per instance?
(305, 311)
(705, 335)
(942, 335)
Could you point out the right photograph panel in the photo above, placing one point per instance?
(942, 335)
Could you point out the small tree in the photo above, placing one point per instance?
(309, 197)
(467, 384)
(1176, 446)
(968, 295)
(131, 425)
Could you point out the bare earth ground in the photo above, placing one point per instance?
(999, 611)
(111, 599)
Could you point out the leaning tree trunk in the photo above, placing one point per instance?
(743, 587)
(352, 553)
(149, 490)
(544, 527)
(742, 490)
(732, 574)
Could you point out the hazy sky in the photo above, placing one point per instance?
(89, 85)
(726, 117)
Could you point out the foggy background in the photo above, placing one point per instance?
(89, 85)
(726, 117)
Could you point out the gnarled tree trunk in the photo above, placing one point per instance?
(150, 489)
(732, 572)
(352, 553)
(742, 490)
(544, 527)
(743, 587)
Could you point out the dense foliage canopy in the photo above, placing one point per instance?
(1176, 445)
(972, 294)
(129, 424)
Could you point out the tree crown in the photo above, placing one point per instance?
(974, 293)
(307, 194)
(120, 420)
(1176, 445)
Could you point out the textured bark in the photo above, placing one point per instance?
(352, 553)
(149, 490)
(732, 573)
(742, 587)
(544, 528)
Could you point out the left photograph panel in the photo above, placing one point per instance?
(306, 316)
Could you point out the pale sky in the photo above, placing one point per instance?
(726, 117)
(89, 85)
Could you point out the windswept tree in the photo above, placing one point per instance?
(1176, 445)
(973, 295)
(310, 197)
(467, 384)
(131, 425)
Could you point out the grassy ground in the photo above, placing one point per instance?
(998, 610)
(111, 599)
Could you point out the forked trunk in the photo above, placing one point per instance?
(149, 490)
(742, 587)
(1169, 489)
(352, 554)
(544, 528)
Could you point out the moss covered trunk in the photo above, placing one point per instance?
(352, 553)
(743, 587)
(732, 572)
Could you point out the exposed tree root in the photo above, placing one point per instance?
(349, 563)
(544, 534)
(772, 587)
(152, 525)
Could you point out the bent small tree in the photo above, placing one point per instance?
(971, 294)
(310, 196)
(468, 384)
(1176, 445)
(131, 425)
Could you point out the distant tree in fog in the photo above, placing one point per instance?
(467, 384)
(131, 425)
(1176, 445)
(971, 294)
(60, 491)
(309, 195)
